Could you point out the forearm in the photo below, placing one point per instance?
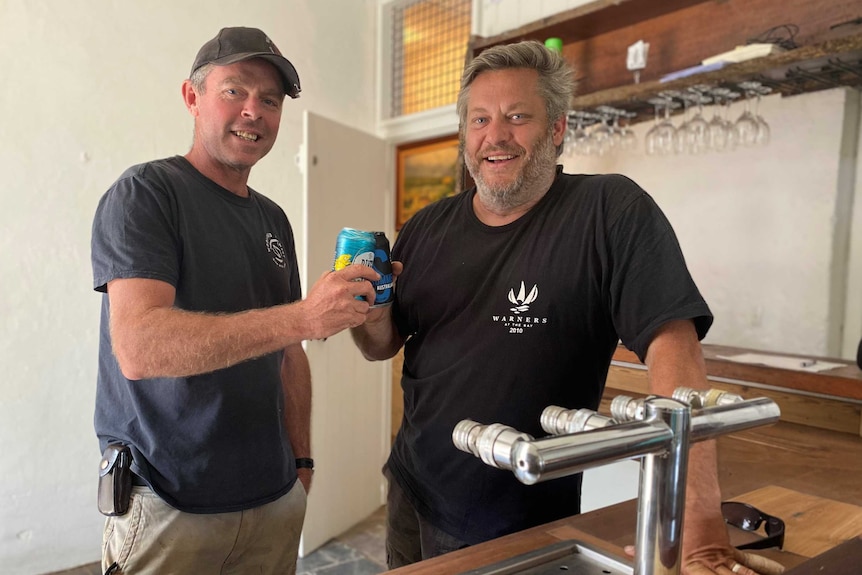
(378, 338)
(703, 495)
(675, 359)
(153, 338)
(296, 383)
(170, 342)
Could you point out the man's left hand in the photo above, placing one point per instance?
(721, 561)
(740, 563)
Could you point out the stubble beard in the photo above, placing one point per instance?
(221, 146)
(531, 181)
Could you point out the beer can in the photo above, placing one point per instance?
(353, 247)
(384, 287)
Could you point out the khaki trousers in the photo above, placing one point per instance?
(153, 538)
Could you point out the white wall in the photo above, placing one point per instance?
(498, 16)
(88, 89)
(759, 227)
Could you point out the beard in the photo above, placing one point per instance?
(531, 181)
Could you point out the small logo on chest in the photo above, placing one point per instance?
(523, 300)
(274, 247)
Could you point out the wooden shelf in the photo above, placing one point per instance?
(585, 21)
(682, 33)
(830, 64)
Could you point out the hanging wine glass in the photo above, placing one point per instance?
(582, 143)
(628, 137)
(732, 137)
(568, 136)
(696, 141)
(747, 125)
(718, 135)
(616, 131)
(763, 130)
(660, 139)
(603, 132)
(621, 138)
(682, 130)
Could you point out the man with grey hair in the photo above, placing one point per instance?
(512, 297)
(204, 391)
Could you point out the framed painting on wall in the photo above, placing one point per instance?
(427, 171)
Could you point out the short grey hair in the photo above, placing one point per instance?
(199, 78)
(556, 77)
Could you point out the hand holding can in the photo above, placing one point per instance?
(369, 249)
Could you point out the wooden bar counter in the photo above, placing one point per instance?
(806, 469)
(829, 399)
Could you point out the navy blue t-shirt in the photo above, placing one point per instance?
(502, 322)
(214, 442)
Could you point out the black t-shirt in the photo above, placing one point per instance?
(214, 442)
(503, 321)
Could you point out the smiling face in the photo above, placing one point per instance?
(237, 117)
(509, 145)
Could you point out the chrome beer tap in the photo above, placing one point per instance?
(658, 430)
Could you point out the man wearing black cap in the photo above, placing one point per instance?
(202, 375)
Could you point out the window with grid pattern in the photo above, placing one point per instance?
(429, 44)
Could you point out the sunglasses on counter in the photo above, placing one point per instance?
(748, 518)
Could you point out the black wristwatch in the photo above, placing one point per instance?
(305, 463)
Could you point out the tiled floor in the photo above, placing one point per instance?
(358, 551)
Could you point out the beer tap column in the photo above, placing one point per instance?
(658, 430)
(661, 495)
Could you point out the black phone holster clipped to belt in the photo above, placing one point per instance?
(115, 480)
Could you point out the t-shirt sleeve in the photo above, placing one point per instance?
(134, 234)
(650, 284)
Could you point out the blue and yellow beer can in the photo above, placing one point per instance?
(353, 247)
(385, 286)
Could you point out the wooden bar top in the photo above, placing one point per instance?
(807, 477)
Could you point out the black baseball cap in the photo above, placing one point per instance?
(233, 45)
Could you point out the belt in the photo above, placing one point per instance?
(138, 481)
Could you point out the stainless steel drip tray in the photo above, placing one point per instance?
(566, 557)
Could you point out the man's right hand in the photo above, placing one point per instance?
(331, 305)
(378, 338)
(381, 313)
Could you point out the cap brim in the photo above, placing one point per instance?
(288, 73)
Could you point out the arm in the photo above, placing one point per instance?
(674, 358)
(151, 338)
(296, 383)
(378, 338)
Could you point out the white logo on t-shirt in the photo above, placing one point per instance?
(274, 247)
(522, 302)
(519, 323)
